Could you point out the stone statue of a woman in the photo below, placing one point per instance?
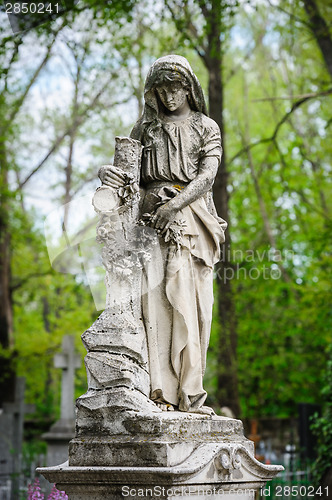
(181, 155)
(147, 350)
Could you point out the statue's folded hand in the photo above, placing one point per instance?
(164, 216)
(112, 176)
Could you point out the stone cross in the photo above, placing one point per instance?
(68, 361)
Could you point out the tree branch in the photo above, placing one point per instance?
(290, 14)
(287, 98)
(17, 42)
(204, 9)
(22, 282)
(20, 100)
(74, 126)
(296, 105)
(189, 29)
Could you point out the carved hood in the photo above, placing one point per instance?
(177, 64)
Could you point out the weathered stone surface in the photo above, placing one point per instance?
(119, 333)
(117, 359)
(179, 425)
(157, 440)
(106, 370)
(111, 452)
(97, 408)
(226, 466)
(105, 199)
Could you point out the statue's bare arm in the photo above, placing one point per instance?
(202, 183)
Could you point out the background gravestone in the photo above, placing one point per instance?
(11, 438)
(63, 430)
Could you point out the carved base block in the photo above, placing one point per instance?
(115, 483)
(158, 453)
(210, 471)
(161, 439)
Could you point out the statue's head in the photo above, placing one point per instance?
(172, 71)
(172, 87)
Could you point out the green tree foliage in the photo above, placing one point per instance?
(38, 306)
(13, 93)
(54, 151)
(47, 305)
(322, 427)
(279, 138)
(277, 123)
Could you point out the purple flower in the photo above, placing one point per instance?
(57, 495)
(35, 492)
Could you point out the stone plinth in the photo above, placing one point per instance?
(180, 452)
(163, 439)
(115, 483)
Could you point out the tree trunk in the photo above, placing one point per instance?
(68, 182)
(6, 312)
(321, 32)
(7, 357)
(227, 391)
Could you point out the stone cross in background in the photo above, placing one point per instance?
(63, 430)
(68, 361)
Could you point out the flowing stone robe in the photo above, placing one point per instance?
(178, 298)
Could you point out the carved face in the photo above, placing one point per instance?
(172, 95)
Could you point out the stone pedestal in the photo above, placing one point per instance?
(165, 439)
(162, 455)
(97, 483)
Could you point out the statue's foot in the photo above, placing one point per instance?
(203, 410)
(164, 406)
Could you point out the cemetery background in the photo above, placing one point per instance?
(67, 89)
